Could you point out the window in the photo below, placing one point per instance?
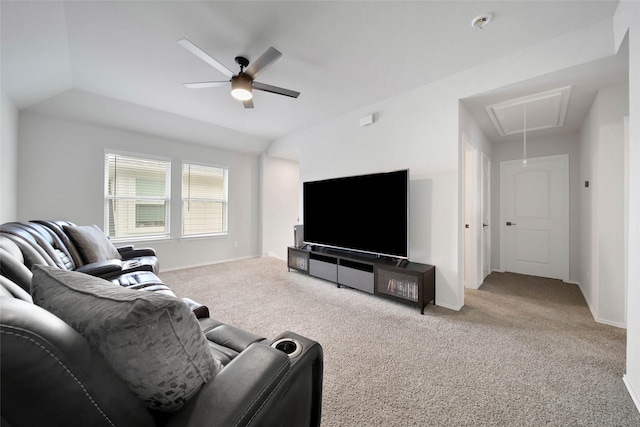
(137, 197)
(204, 200)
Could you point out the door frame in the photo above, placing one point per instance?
(485, 206)
(472, 216)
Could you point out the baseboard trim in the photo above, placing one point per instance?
(597, 318)
(611, 323)
(270, 254)
(634, 396)
(449, 306)
(182, 267)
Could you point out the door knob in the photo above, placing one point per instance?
(509, 223)
(485, 225)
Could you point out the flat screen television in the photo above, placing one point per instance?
(365, 213)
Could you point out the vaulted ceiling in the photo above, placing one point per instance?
(119, 63)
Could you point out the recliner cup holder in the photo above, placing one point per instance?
(289, 346)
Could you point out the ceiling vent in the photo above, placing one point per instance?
(544, 110)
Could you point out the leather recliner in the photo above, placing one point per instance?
(133, 259)
(43, 246)
(51, 376)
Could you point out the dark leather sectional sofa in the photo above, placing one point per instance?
(56, 375)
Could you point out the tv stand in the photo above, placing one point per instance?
(410, 283)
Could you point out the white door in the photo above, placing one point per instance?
(534, 226)
(471, 216)
(486, 219)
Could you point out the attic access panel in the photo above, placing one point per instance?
(544, 110)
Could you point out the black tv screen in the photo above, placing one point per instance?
(365, 213)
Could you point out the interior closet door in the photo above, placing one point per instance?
(534, 208)
(486, 216)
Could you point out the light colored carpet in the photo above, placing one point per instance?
(523, 351)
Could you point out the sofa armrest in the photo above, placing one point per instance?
(201, 311)
(102, 268)
(262, 386)
(242, 389)
(128, 252)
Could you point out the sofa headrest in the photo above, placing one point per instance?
(57, 228)
(11, 247)
(11, 289)
(31, 250)
(47, 365)
(12, 265)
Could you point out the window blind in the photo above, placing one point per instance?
(204, 200)
(137, 196)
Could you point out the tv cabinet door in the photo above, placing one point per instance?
(323, 267)
(412, 284)
(401, 284)
(356, 275)
(298, 259)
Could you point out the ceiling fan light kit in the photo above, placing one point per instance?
(241, 87)
(242, 84)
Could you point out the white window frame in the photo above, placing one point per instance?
(163, 235)
(186, 199)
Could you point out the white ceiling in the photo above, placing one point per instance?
(585, 80)
(119, 63)
(542, 110)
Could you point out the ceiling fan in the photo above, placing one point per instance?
(243, 83)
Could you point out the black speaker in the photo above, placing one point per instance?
(298, 235)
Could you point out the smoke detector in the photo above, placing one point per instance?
(481, 20)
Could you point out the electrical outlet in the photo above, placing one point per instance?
(235, 244)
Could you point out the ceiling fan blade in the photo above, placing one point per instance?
(200, 85)
(205, 57)
(248, 103)
(274, 89)
(260, 64)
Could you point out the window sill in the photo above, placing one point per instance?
(141, 239)
(165, 239)
(205, 236)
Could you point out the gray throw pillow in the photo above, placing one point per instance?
(93, 244)
(152, 341)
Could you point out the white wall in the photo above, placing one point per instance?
(540, 147)
(626, 22)
(602, 276)
(61, 176)
(419, 130)
(280, 204)
(397, 140)
(611, 216)
(469, 127)
(8, 160)
(470, 130)
(588, 274)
